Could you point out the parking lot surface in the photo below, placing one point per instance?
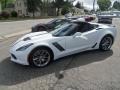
(18, 26)
(91, 70)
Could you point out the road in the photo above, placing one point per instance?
(91, 70)
(18, 26)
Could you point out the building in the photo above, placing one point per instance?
(21, 9)
(47, 9)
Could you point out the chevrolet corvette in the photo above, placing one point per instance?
(40, 48)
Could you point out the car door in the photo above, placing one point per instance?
(82, 39)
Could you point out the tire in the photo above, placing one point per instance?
(40, 57)
(106, 43)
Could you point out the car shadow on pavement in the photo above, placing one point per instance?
(12, 74)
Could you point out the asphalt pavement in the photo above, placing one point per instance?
(91, 70)
(16, 27)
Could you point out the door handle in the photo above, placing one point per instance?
(82, 37)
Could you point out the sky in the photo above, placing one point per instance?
(88, 4)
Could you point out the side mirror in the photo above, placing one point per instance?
(77, 34)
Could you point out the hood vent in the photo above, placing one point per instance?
(26, 39)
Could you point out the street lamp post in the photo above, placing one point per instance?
(94, 6)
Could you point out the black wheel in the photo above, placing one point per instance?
(106, 43)
(40, 57)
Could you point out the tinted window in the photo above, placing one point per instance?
(84, 27)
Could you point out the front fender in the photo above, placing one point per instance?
(50, 46)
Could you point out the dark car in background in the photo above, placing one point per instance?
(105, 17)
(50, 25)
(55, 23)
(106, 20)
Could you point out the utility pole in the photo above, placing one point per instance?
(94, 6)
(0, 7)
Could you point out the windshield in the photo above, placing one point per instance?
(56, 23)
(65, 30)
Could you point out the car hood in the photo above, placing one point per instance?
(30, 36)
(37, 37)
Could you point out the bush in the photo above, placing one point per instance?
(64, 10)
(5, 15)
(14, 14)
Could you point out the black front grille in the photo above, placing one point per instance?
(13, 56)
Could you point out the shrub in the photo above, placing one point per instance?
(14, 14)
(64, 10)
(5, 15)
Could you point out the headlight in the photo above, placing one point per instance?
(24, 47)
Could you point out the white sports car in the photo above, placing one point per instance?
(40, 48)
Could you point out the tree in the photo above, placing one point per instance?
(78, 5)
(46, 5)
(5, 3)
(33, 6)
(68, 4)
(58, 4)
(116, 5)
(65, 10)
(104, 4)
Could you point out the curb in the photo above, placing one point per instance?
(14, 34)
(1, 38)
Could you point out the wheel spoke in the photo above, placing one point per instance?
(35, 59)
(106, 43)
(41, 57)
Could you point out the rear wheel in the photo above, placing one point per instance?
(40, 57)
(106, 43)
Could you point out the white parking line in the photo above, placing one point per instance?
(14, 34)
(17, 33)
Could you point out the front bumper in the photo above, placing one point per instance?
(19, 57)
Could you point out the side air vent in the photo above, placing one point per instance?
(58, 46)
(99, 28)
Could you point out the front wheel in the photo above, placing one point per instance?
(106, 43)
(40, 57)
